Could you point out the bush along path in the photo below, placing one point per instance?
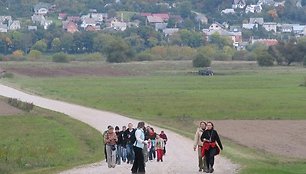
(180, 157)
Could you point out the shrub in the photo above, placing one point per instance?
(34, 55)
(304, 61)
(144, 56)
(17, 55)
(241, 55)
(265, 59)
(60, 58)
(201, 60)
(25, 106)
(1, 58)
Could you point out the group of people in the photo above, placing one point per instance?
(134, 146)
(208, 144)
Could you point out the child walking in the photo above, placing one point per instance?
(160, 145)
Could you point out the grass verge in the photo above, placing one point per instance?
(46, 142)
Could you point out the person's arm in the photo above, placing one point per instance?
(106, 138)
(218, 140)
(196, 140)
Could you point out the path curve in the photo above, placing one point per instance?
(180, 157)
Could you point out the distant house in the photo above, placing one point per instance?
(253, 9)
(238, 4)
(235, 28)
(156, 19)
(118, 25)
(32, 28)
(298, 29)
(200, 17)
(270, 26)
(160, 26)
(259, 21)
(92, 28)
(228, 11)
(216, 26)
(6, 19)
(62, 16)
(249, 26)
(164, 16)
(3, 28)
(279, 4)
(286, 28)
(98, 17)
(41, 20)
(170, 31)
(266, 2)
(43, 8)
(75, 19)
(236, 37)
(70, 26)
(15, 25)
(88, 21)
(267, 42)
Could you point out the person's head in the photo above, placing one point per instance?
(108, 126)
(203, 125)
(123, 128)
(141, 125)
(162, 132)
(130, 126)
(210, 126)
(117, 128)
(110, 129)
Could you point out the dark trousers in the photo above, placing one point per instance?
(210, 157)
(152, 153)
(138, 165)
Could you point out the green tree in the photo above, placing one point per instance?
(56, 44)
(201, 60)
(60, 58)
(264, 58)
(40, 46)
(117, 50)
(220, 41)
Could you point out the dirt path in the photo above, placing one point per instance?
(180, 158)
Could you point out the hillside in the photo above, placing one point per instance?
(291, 11)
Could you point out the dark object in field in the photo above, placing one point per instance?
(206, 72)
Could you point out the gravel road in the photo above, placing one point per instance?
(180, 157)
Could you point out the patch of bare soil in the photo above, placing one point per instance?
(283, 137)
(68, 71)
(6, 109)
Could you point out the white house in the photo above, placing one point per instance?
(228, 11)
(118, 25)
(41, 20)
(249, 26)
(270, 26)
(253, 8)
(216, 26)
(15, 25)
(42, 8)
(238, 4)
(3, 28)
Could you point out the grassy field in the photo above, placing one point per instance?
(174, 98)
(45, 142)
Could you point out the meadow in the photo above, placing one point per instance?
(43, 141)
(175, 98)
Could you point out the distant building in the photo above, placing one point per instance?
(32, 28)
(228, 11)
(249, 26)
(156, 19)
(70, 26)
(267, 42)
(238, 4)
(160, 26)
(270, 26)
(170, 31)
(253, 9)
(43, 8)
(259, 21)
(3, 28)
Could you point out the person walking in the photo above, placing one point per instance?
(105, 154)
(139, 165)
(160, 144)
(129, 134)
(165, 138)
(211, 146)
(119, 145)
(110, 138)
(198, 143)
(123, 144)
(152, 138)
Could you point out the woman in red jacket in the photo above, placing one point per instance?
(211, 147)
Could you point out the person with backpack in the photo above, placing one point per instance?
(139, 164)
(110, 138)
(129, 135)
(211, 146)
(152, 138)
(165, 138)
